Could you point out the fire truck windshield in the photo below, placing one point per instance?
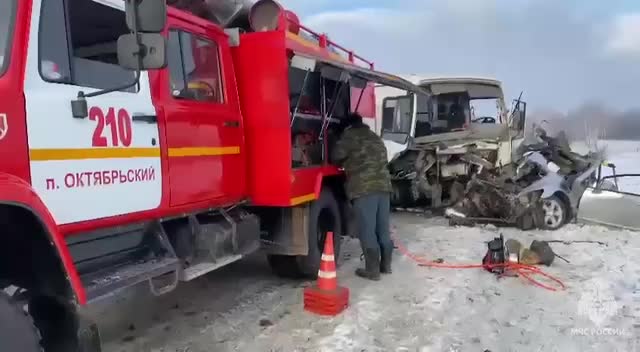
(7, 9)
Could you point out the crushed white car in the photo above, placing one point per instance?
(543, 191)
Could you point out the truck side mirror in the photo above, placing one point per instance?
(144, 48)
(149, 16)
(144, 51)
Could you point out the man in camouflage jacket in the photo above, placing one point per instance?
(363, 156)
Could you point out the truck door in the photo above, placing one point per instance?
(398, 123)
(201, 111)
(109, 163)
(516, 121)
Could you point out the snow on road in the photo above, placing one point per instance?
(425, 309)
(245, 308)
(421, 309)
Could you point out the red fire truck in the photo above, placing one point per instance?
(141, 143)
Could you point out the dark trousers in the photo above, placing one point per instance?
(372, 212)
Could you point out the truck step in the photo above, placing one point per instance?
(203, 268)
(102, 284)
(221, 238)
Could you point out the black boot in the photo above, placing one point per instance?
(385, 260)
(372, 265)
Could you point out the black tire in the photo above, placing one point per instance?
(561, 209)
(324, 216)
(17, 331)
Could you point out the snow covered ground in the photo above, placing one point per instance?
(245, 308)
(425, 309)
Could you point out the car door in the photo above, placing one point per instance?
(204, 127)
(610, 205)
(105, 164)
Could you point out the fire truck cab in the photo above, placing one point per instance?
(141, 143)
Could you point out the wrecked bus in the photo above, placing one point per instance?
(437, 141)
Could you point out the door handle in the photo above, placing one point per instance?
(231, 123)
(145, 118)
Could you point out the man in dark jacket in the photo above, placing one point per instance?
(363, 156)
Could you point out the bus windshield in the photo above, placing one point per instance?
(7, 10)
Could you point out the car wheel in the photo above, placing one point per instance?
(554, 213)
(17, 330)
(324, 216)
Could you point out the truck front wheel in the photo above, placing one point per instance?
(324, 216)
(17, 331)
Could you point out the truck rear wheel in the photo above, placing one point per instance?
(17, 331)
(324, 216)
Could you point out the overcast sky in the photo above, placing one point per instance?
(560, 52)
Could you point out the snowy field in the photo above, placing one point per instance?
(625, 155)
(245, 308)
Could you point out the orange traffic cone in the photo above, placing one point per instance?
(327, 298)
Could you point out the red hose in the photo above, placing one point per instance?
(522, 269)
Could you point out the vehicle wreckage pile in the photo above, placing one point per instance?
(541, 188)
